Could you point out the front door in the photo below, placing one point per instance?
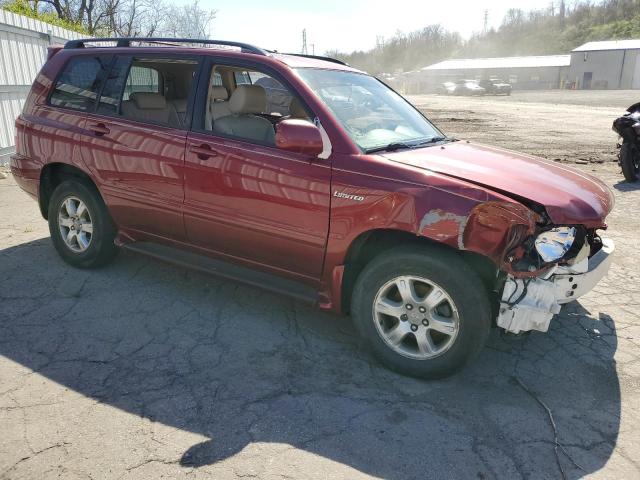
(586, 80)
(245, 198)
(135, 144)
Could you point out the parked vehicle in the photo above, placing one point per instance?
(363, 208)
(496, 87)
(468, 87)
(447, 88)
(461, 87)
(628, 127)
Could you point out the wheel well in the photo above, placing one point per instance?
(53, 174)
(370, 244)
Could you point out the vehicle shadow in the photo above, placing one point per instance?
(240, 366)
(625, 186)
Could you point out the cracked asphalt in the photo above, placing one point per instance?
(145, 370)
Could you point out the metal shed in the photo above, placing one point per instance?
(524, 73)
(612, 64)
(23, 51)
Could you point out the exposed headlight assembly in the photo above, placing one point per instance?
(553, 244)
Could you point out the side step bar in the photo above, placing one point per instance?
(202, 263)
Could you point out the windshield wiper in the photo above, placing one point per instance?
(391, 147)
(433, 140)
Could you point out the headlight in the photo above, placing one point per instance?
(553, 244)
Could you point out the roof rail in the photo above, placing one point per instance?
(317, 57)
(126, 42)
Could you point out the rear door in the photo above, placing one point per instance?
(134, 142)
(54, 123)
(251, 201)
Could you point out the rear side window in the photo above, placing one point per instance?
(149, 89)
(142, 79)
(78, 85)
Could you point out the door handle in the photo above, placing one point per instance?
(203, 151)
(99, 129)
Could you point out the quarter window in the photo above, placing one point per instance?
(78, 85)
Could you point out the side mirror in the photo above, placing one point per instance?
(300, 136)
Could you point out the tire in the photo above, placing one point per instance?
(465, 299)
(630, 162)
(91, 247)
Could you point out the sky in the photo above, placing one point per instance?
(347, 25)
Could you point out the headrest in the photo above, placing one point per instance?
(247, 99)
(148, 100)
(296, 110)
(219, 93)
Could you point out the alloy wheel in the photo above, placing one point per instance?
(75, 224)
(416, 317)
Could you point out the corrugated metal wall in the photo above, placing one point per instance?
(23, 51)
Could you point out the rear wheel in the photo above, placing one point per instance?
(423, 311)
(80, 226)
(630, 162)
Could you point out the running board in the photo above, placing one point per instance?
(202, 263)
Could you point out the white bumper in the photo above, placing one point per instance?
(530, 304)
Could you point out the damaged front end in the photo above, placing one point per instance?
(540, 265)
(559, 265)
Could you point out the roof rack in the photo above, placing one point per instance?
(318, 57)
(126, 42)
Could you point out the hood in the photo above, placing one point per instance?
(569, 196)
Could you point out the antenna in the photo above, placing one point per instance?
(304, 42)
(486, 21)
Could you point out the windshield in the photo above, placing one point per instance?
(373, 115)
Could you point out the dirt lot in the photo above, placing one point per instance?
(143, 370)
(567, 126)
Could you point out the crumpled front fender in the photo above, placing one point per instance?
(493, 228)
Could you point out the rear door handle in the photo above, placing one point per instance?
(203, 151)
(99, 129)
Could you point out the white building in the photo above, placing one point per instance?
(524, 73)
(606, 65)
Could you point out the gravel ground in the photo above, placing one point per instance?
(571, 126)
(143, 370)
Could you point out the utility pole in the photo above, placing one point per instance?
(313, 49)
(304, 42)
(486, 21)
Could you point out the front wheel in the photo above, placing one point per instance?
(630, 162)
(423, 311)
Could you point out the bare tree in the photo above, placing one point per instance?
(129, 18)
(189, 21)
(136, 18)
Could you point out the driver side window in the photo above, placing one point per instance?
(248, 104)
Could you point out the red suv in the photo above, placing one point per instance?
(327, 186)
